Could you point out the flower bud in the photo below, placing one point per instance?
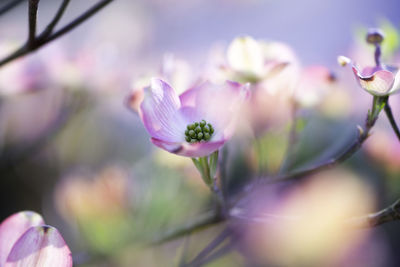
(343, 61)
(375, 36)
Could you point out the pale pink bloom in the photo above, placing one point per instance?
(26, 241)
(167, 115)
(173, 70)
(379, 80)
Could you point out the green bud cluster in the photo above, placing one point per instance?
(198, 131)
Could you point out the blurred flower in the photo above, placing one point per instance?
(309, 224)
(196, 123)
(249, 60)
(105, 196)
(174, 71)
(25, 240)
(315, 83)
(99, 205)
(23, 75)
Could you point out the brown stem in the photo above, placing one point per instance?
(56, 19)
(33, 7)
(40, 41)
(389, 214)
(392, 121)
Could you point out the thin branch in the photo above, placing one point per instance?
(33, 7)
(215, 243)
(49, 29)
(40, 41)
(218, 253)
(392, 121)
(90, 12)
(10, 5)
(389, 214)
(363, 133)
(200, 223)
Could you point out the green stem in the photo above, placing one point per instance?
(207, 166)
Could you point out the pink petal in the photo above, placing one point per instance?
(40, 246)
(159, 112)
(376, 81)
(13, 228)
(217, 104)
(190, 150)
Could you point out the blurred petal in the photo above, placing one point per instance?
(134, 99)
(313, 85)
(159, 112)
(41, 246)
(217, 104)
(245, 55)
(190, 150)
(13, 227)
(378, 82)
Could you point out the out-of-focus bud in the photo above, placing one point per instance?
(246, 56)
(105, 195)
(99, 206)
(375, 36)
(343, 61)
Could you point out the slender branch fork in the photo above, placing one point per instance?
(36, 41)
(392, 121)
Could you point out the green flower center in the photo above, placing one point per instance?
(198, 132)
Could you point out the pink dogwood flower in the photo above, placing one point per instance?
(194, 124)
(380, 80)
(26, 241)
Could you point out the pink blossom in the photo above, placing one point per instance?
(167, 116)
(381, 80)
(25, 240)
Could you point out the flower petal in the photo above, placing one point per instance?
(376, 81)
(159, 112)
(245, 55)
(190, 150)
(217, 104)
(40, 246)
(13, 228)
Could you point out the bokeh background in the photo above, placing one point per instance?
(71, 150)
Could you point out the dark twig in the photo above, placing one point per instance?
(202, 222)
(363, 133)
(10, 5)
(217, 254)
(392, 121)
(41, 40)
(90, 12)
(389, 214)
(33, 7)
(49, 29)
(216, 242)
